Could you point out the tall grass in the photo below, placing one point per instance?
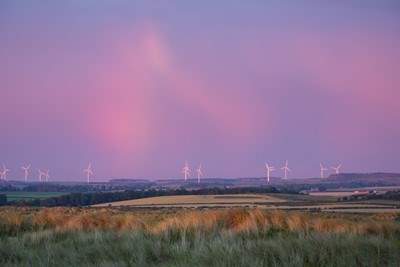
(232, 237)
(15, 220)
(137, 248)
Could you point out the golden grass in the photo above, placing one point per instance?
(224, 220)
(196, 199)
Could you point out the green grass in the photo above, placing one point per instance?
(273, 248)
(17, 196)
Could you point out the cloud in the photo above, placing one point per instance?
(126, 107)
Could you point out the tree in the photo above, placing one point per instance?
(3, 199)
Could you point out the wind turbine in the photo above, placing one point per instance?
(286, 169)
(199, 173)
(4, 173)
(186, 171)
(323, 169)
(26, 171)
(337, 169)
(88, 172)
(47, 175)
(269, 170)
(41, 174)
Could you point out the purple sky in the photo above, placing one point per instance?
(138, 87)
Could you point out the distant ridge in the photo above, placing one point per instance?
(360, 176)
(129, 181)
(348, 179)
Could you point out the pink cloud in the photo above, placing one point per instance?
(126, 110)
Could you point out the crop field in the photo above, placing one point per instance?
(16, 196)
(333, 193)
(198, 200)
(222, 237)
(269, 201)
(345, 192)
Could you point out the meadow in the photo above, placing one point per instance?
(21, 195)
(214, 237)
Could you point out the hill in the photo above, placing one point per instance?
(365, 176)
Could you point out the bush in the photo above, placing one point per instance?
(3, 199)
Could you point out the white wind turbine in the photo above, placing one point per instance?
(3, 174)
(88, 172)
(286, 169)
(323, 169)
(26, 171)
(41, 174)
(186, 171)
(47, 175)
(269, 170)
(337, 169)
(199, 173)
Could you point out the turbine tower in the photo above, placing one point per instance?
(199, 173)
(323, 169)
(41, 174)
(3, 174)
(88, 172)
(47, 175)
(337, 169)
(286, 169)
(269, 170)
(186, 171)
(26, 171)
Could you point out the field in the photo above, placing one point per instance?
(345, 192)
(264, 201)
(16, 196)
(223, 237)
(205, 230)
(333, 194)
(198, 200)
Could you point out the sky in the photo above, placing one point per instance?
(138, 87)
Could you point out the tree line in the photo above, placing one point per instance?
(390, 195)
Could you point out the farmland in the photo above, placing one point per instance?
(344, 192)
(264, 201)
(198, 200)
(190, 228)
(21, 195)
(242, 229)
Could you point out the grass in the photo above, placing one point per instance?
(194, 200)
(16, 196)
(273, 248)
(229, 237)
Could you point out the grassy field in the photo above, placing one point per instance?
(344, 192)
(16, 196)
(227, 237)
(195, 200)
(269, 201)
(335, 194)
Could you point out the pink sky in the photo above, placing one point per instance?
(139, 88)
